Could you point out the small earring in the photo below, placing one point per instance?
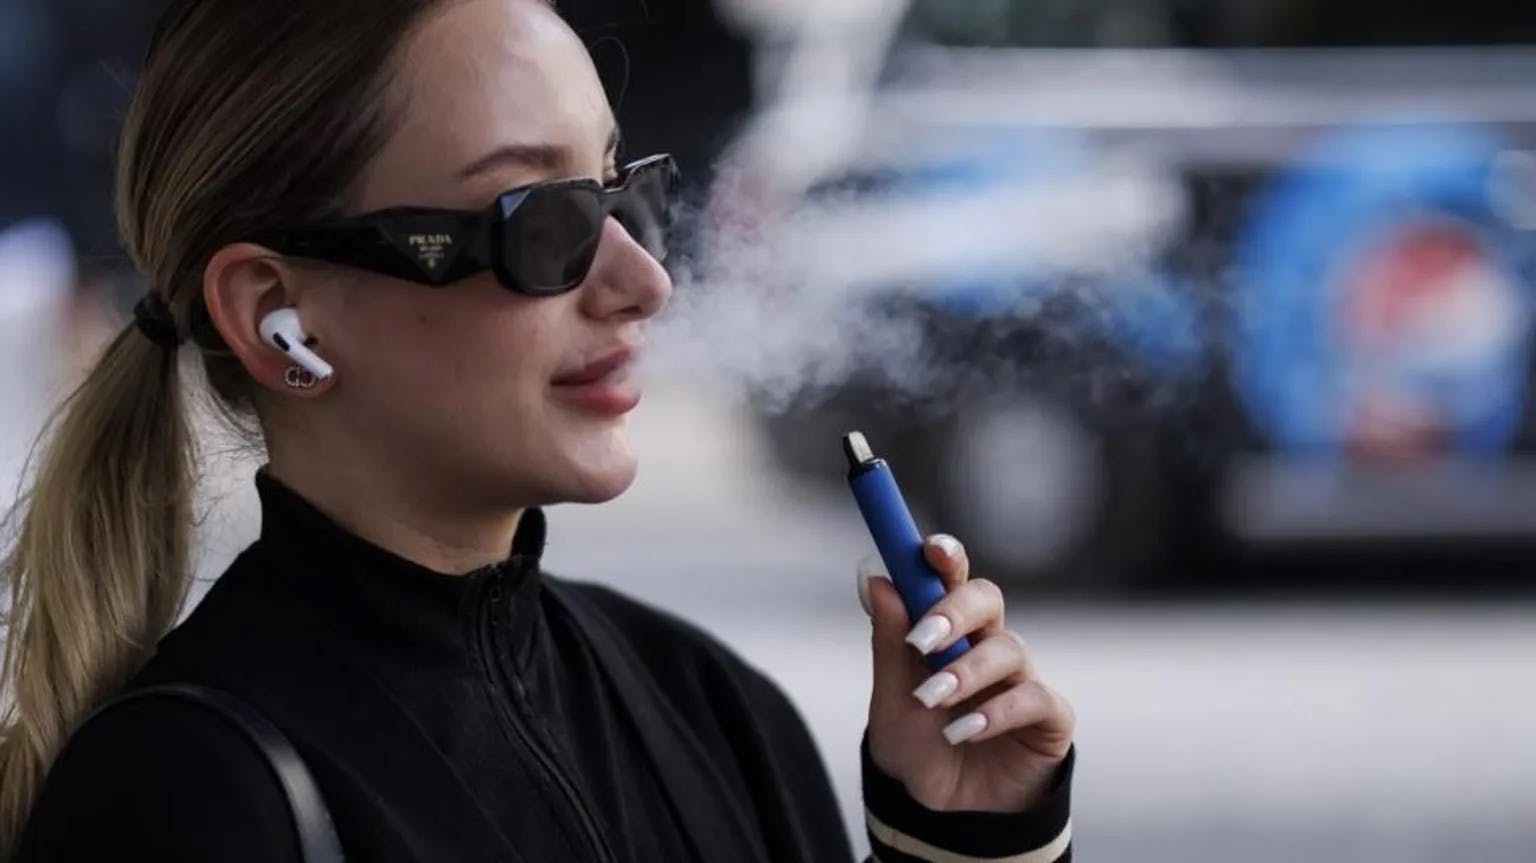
(299, 377)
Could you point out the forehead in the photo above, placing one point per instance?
(477, 76)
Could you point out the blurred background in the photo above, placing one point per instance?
(1215, 325)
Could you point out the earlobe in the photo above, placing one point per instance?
(299, 378)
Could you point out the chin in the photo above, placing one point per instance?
(602, 476)
(602, 487)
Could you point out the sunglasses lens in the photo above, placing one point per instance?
(549, 241)
(644, 208)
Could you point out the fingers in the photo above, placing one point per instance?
(998, 663)
(947, 556)
(1031, 705)
(896, 668)
(997, 659)
(970, 606)
(942, 551)
(975, 606)
(869, 567)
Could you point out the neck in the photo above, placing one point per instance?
(395, 510)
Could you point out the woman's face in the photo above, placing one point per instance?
(466, 382)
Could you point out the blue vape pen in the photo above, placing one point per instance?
(896, 536)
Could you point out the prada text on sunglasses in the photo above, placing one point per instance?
(538, 239)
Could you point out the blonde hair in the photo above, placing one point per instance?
(248, 115)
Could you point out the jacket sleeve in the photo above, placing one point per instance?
(901, 829)
(160, 780)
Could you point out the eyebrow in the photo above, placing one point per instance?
(543, 157)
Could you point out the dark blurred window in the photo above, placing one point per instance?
(1225, 23)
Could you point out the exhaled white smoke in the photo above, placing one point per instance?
(774, 340)
(786, 297)
(789, 291)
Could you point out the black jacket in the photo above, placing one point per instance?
(470, 717)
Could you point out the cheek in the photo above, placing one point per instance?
(466, 378)
(461, 357)
(495, 369)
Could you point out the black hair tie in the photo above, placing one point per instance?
(154, 318)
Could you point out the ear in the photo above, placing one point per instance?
(242, 283)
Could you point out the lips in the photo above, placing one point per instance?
(603, 386)
(597, 369)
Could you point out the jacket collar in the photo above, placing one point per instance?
(369, 592)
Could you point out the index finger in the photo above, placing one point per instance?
(948, 558)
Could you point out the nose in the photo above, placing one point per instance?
(624, 280)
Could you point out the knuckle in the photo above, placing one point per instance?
(1042, 700)
(988, 590)
(1003, 652)
(1061, 705)
(1035, 694)
(1020, 648)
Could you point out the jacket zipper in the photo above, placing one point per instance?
(525, 736)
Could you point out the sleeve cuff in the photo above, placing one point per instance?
(901, 829)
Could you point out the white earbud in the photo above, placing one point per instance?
(281, 330)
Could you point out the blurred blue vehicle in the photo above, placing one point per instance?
(1185, 312)
(1382, 341)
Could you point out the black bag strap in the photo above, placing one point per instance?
(318, 842)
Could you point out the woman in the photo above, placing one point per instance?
(451, 701)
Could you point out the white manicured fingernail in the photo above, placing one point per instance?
(964, 728)
(947, 544)
(869, 567)
(926, 634)
(937, 688)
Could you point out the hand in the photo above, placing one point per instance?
(991, 744)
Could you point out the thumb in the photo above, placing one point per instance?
(894, 659)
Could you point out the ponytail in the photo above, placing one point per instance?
(248, 116)
(99, 569)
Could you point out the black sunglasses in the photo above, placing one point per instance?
(538, 239)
